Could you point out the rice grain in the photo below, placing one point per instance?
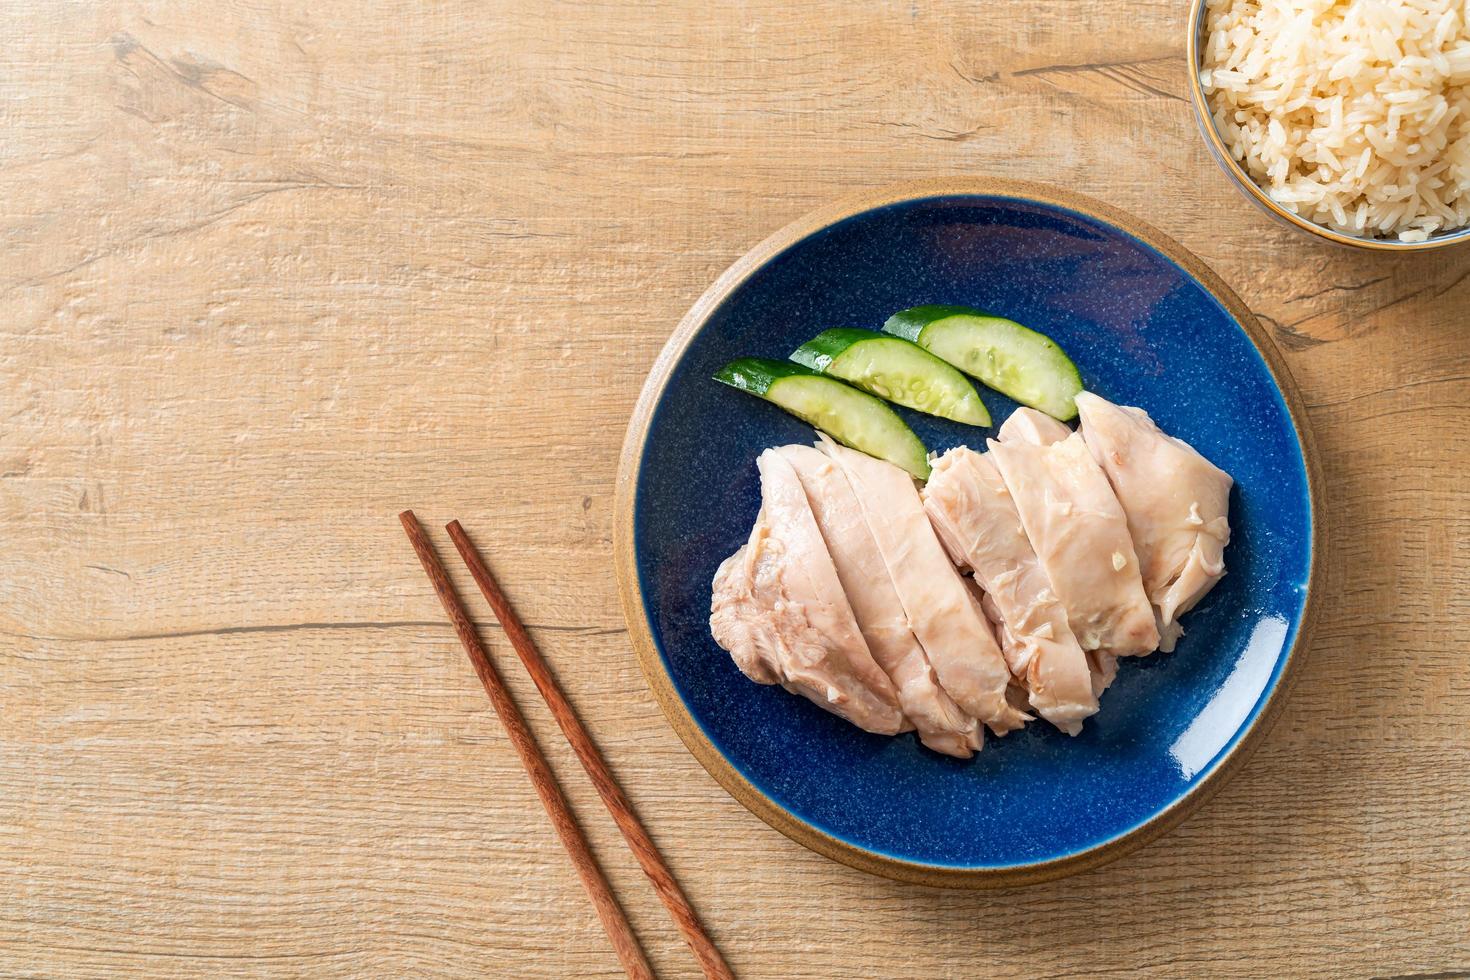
(1350, 113)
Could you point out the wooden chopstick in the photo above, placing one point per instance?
(612, 794)
(625, 942)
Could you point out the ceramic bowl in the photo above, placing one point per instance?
(1148, 325)
(1195, 53)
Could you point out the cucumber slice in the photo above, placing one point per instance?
(854, 418)
(1010, 358)
(895, 370)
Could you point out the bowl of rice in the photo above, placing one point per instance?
(1349, 119)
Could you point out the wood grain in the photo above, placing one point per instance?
(553, 800)
(644, 850)
(274, 272)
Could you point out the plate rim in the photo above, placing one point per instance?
(659, 681)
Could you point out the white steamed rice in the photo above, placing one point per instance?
(1354, 114)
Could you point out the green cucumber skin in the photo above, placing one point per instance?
(819, 352)
(757, 374)
(826, 353)
(762, 377)
(912, 324)
(854, 418)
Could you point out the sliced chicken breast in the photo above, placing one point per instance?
(942, 613)
(1016, 694)
(977, 521)
(1080, 535)
(1177, 503)
(779, 609)
(1104, 670)
(941, 725)
(1029, 425)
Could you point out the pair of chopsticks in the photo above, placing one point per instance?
(624, 941)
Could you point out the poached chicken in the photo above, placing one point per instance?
(941, 724)
(779, 609)
(1083, 547)
(1080, 535)
(970, 507)
(1176, 502)
(942, 613)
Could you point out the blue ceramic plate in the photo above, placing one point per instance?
(1148, 325)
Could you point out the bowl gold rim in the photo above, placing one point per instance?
(1243, 181)
(660, 682)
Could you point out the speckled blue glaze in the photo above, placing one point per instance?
(1143, 332)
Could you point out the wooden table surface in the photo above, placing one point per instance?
(274, 271)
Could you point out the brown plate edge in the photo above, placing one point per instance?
(673, 705)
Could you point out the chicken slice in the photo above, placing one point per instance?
(1104, 670)
(779, 609)
(1080, 535)
(941, 612)
(1029, 425)
(971, 509)
(1016, 693)
(942, 726)
(1177, 504)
